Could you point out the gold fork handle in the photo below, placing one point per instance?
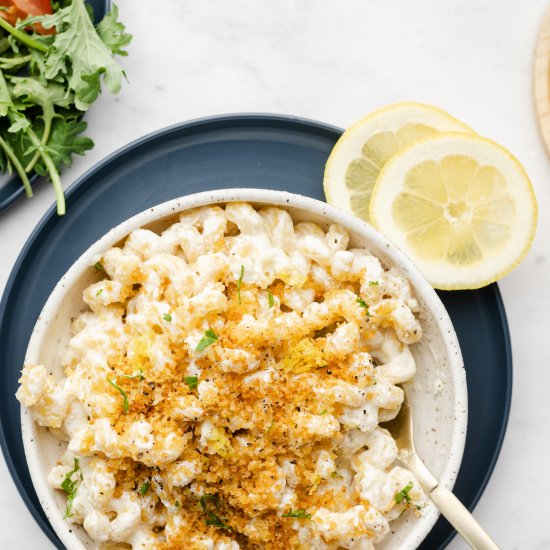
(461, 519)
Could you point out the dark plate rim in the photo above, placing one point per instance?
(205, 124)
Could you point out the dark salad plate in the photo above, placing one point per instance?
(262, 151)
(11, 188)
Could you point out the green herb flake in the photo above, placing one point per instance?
(300, 513)
(212, 518)
(364, 304)
(125, 405)
(191, 381)
(239, 282)
(403, 494)
(206, 498)
(99, 292)
(144, 488)
(373, 283)
(336, 475)
(208, 339)
(323, 412)
(167, 317)
(69, 486)
(215, 521)
(135, 376)
(271, 299)
(98, 266)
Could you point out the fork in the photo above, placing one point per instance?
(401, 428)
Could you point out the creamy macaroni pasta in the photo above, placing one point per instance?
(226, 387)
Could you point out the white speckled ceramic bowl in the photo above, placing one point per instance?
(440, 416)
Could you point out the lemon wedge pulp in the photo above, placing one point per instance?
(460, 206)
(362, 151)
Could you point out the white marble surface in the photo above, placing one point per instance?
(335, 61)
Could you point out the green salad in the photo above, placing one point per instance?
(53, 64)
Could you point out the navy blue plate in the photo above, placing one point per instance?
(263, 151)
(11, 187)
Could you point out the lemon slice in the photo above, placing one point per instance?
(460, 206)
(359, 155)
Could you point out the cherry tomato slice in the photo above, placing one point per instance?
(19, 9)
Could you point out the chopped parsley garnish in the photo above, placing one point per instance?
(122, 392)
(364, 304)
(300, 513)
(167, 317)
(373, 283)
(212, 518)
(69, 486)
(98, 266)
(208, 339)
(99, 292)
(323, 412)
(403, 495)
(206, 498)
(136, 376)
(271, 299)
(177, 504)
(239, 282)
(215, 521)
(191, 381)
(337, 475)
(144, 488)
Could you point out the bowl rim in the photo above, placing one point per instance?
(256, 196)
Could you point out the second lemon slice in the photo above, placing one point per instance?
(461, 206)
(364, 149)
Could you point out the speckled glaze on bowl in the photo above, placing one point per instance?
(438, 392)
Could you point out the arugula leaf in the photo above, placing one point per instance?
(66, 140)
(112, 32)
(209, 338)
(34, 92)
(78, 53)
(18, 121)
(5, 97)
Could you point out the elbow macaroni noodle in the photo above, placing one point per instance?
(226, 387)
